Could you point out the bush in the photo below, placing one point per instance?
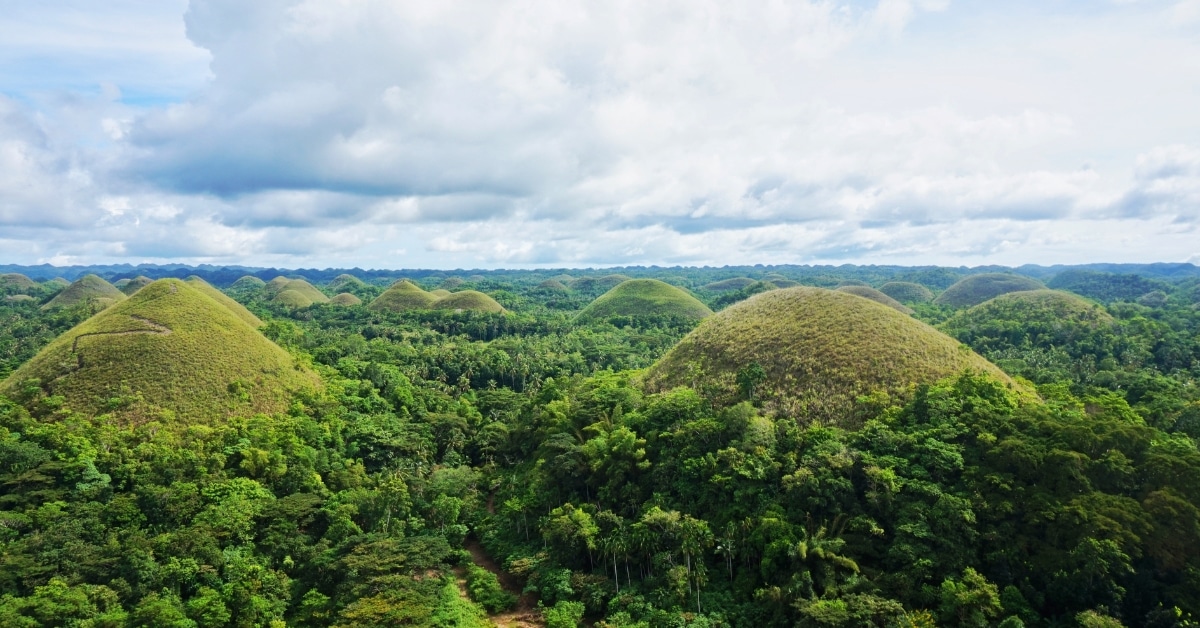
(564, 614)
(484, 587)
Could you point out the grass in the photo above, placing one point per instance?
(276, 285)
(220, 297)
(169, 353)
(727, 285)
(440, 292)
(867, 292)
(975, 289)
(552, 285)
(645, 297)
(467, 300)
(343, 282)
(820, 351)
(16, 283)
(907, 292)
(58, 283)
(248, 282)
(133, 285)
(452, 283)
(593, 284)
(300, 291)
(345, 299)
(87, 289)
(403, 296)
(1037, 316)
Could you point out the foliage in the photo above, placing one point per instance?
(645, 298)
(975, 289)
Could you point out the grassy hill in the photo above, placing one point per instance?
(133, 285)
(403, 296)
(297, 291)
(868, 292)
(818, 351)
(220, 297)
(907, 292)
(345, 299)
(726, 285)
(552, 285)
(169, 352)
(248, 282)
(452, 283)
(276, 285)
(440, 292)
(467, 300)
(16, 283)
(344, 282)
(58, 283)
(88, 289)
(645, 297)
(975, 289)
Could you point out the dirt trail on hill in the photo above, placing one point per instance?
(525, 615)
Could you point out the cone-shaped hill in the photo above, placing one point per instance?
(344, 282)
(248, 282)
(170, 347)
(276, 285)
(642, 298)
(467, 300)
(867, 292)
(58, 283)
(345, 299)
(16, 283)
(220, 297)
(552, 285)
(907, 292)
(452, 283)
(976, 289)
(819, 350)
(133, 285)
(402, 296)
(87, 289)
(1050, 317)
(727, 285)
(299, 293)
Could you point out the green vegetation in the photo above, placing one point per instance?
(643, 298)
(88, 290)
(402, 296)
(248, 282)
(449, 461)
(56, 284)
(169, 353)
(737, 283)
(344, 283)
(907, 292)
(220, 297)
(297, 291)
(440, 292)
(276, 285)
(345, 299)
(976, 289)
(876, 296)
(16, 283)
(1104, 287)
(292, 298)
(552, 285)
(818, 351)
(451, 284)
(20, 298)
(467, 300)
(133, 285)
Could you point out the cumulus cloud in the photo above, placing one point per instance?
(508, 132)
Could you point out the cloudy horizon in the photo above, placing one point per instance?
(527, 133)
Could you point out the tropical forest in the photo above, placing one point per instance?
(634, 447)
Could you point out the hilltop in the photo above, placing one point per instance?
(16, 283)
(248, 282)
(130, 286)
(1044, 318)
(88, 289)
(345, 282)
(345, 298)
(725, 285)
(645, 297)
(297, 293)
(402, 296)
(907, 292)
(467, 300)
(976, 289)
(868, 292)
(169, 351)
(220, 297)
(818, 351)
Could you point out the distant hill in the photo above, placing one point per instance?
(907, 292)
(88, 289)
(297, 293)
(169, 353)
(133, 285)
(16, 283)
(810, 353)
(345, 299)
(402, 296)
(344, 282)
(868, 292)
(642, 298)
(976, 289)
(552, 285)
(728, 285)
(467, 300)
(248, 282)
(1104, 286)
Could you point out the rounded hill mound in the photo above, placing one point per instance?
(867, 292)
(220, 297)
(452, 283)
(133, 285)
(975, 289)
(16, 283)
(248, 282)
(276, 285)
(58, 283)
(345, 299)
(88, 289)
(907, 292)
(642, 298)
(728, 285)
(468, 300)
(169, 351)
(402, 296)
(440, 292)
(552, 285)
(1030, 318)
(299, 288)
(344, 282)
(811, 353)
(292, 298)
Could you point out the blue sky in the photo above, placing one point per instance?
(512, 133)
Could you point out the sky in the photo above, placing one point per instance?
(568, 133)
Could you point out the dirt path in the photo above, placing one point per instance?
(525, 615)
